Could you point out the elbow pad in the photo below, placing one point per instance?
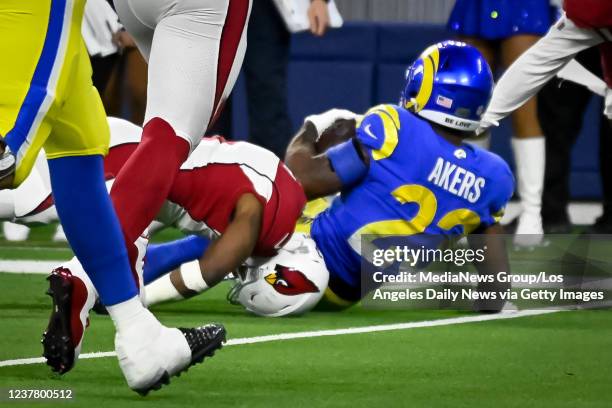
(347, 163)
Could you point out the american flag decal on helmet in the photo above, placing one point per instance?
(444, 101)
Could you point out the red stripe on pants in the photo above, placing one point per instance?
(606, 61)
(235, 22)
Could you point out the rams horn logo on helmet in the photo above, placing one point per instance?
(290, 282)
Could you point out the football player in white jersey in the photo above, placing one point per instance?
(240, 196)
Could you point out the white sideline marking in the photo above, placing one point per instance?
(25, 266)
(39, 248)
(322, 333)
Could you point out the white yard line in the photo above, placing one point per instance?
(26, 266)
(39, 248)
(332, 332)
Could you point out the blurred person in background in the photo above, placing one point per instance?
(502, 30)
(126, 93)
(100, 25)
(585, 24)
(265, 71)
(561, 107)
(119, 70)
(117, 64)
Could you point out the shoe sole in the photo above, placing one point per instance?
(208, 351)
(57, 346)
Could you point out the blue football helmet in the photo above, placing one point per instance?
(449, 84)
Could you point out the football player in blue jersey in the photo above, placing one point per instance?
(400, 170)
(407, 170)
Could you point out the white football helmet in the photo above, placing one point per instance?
(289, 283)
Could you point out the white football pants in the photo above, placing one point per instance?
(195, 49)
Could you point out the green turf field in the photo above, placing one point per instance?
(561, 359)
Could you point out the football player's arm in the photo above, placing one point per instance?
(220, 257)
(495, 260)
(322, 174)
(236, 244)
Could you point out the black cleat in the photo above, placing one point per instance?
(99, 308)
(203, 342)
(56, 340)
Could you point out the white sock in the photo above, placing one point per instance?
(530, 156)
(130, 314)
(15, 232)
(59, 235)
(161, 290)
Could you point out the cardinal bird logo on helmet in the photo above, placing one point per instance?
(290, 282)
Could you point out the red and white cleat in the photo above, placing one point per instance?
(73, 297)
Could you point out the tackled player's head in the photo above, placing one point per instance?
(449, 84)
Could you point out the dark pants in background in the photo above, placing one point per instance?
(561, 106)
(102, 69)
(265, 72)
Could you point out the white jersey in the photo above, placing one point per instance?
(202, 197)
(194, 49)
(258, 165)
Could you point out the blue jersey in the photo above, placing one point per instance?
(417, 183)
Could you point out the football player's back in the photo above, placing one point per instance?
(417, 183)
(408, 171)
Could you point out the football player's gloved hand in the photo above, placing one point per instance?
(485, 125)
(7, 165)
(324, 120)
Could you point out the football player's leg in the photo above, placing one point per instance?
(70, 318)
(331, 302)
(12, 231)
(141, 32)
(31, 41)
(7, 205)
(194, 60)
(529, 152)
(15, 232)
(338, 295)
(75, 152)
(148, 351)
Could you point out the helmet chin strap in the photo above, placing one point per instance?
(414, 105)
(411, 105)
